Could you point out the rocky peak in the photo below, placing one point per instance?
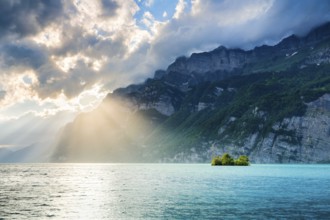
(318, 34)
(220, 59)
(292, 42)
(159, 74)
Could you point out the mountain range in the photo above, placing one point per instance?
(271, 103)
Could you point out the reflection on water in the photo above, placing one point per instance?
(167, 191)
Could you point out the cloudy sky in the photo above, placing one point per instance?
(58, 58)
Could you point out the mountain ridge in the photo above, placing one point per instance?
(264, 102)
(180, 71)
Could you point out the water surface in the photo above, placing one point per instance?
(163, 191)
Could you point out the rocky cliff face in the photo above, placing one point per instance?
(310, 142)
(153, 94)
(220, 59)
(302, 139)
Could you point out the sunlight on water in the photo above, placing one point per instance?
(167, 191)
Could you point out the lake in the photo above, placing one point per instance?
(163, 191)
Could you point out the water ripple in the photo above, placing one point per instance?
(166, 191)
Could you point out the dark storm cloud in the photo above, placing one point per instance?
(76, 40)
(53, 81)
(292, 17)
(109, 7)
(23, 55)
(26, 17)
(2, 94)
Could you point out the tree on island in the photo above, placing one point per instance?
(242, 161)
(216, 161)
(227, 160)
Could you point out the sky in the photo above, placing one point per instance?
(60, 58)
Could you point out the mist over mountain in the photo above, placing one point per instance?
(271, 103)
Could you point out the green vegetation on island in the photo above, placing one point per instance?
(227, 160)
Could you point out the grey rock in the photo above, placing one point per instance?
(311, 142)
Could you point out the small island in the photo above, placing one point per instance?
(227, 160)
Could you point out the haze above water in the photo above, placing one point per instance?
(167, 191)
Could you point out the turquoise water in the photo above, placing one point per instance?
(164, 191)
